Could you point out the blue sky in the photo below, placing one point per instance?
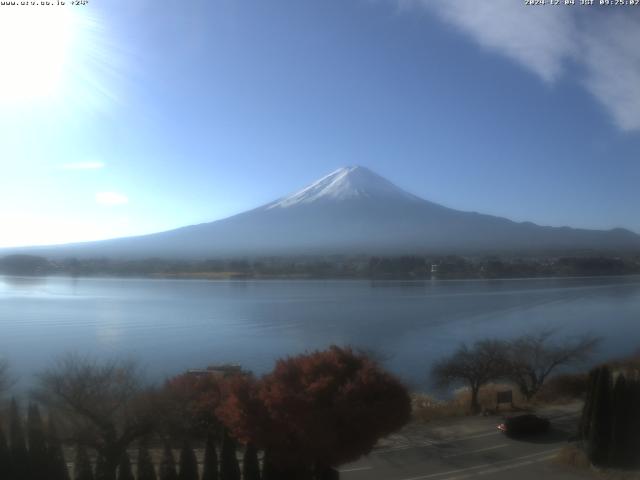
(128, 117)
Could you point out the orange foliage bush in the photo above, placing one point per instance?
(320, 409)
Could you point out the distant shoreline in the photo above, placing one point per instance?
(239, 276)
(224, 277)
(401, 267)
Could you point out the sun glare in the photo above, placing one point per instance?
(57, 53)
(35, 45)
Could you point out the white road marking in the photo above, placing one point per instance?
(354, 469)
(501, 469)
(492, 466)
(480, 435)
(469, 452)
(434, 443)
(425, 443)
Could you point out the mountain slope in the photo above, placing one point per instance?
(353, 210)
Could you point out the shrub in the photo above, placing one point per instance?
(317, 410)
(564, 388)
(426, 408)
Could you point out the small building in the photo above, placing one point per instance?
(224, 370)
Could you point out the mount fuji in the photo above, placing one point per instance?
(352, 211)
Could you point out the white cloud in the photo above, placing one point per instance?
(83, 166)
(545, 40)
(537, 38)
(611, 59)
(111, 198)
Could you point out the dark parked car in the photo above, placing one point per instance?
(524, 424)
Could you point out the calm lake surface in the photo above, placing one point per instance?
(172, 325)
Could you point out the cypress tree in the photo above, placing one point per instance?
(101, 468)
(124, 468)
(82, 469)
(620, 423)
(229, 468)
(587, 409)
(18, 446)
(210, 466)
(188, 463)
(269, 471)
(5, 456)
(146, 471)
(168, 465)
(250, 464)
(634, 421)
(328, 474)
(601, 417)
(37, 444)
(56, 461)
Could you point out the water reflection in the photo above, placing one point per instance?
(174, 324)
(22, 282)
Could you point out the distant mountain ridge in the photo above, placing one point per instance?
(352, 211)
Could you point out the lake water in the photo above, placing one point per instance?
(172, 325)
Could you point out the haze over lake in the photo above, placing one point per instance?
(172, 325)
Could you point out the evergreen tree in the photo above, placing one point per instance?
(250, 464)
(634, 421)
(18, 447)
(621, 411)
(146, 471)
(328, 474)
(600, 428)
(5, 456)
(124, 469)
(210, 463)
(229, 468)
(56, 461)
(587, 409)
(269, 472)
(188, 463)
(82, 469)
(101, 468)
(38, 464)
(168, 465)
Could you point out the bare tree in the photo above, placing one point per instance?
(533, 357)
(5, 379)
(475, 366)
(104, 405)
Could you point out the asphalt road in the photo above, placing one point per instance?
(469, 448)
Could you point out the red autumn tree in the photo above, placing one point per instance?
(317, 410)
(190, 403)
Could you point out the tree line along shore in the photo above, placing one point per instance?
(415, 267)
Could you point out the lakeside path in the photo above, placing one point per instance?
(471, 447)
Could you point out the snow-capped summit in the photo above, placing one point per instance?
(342, 184)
